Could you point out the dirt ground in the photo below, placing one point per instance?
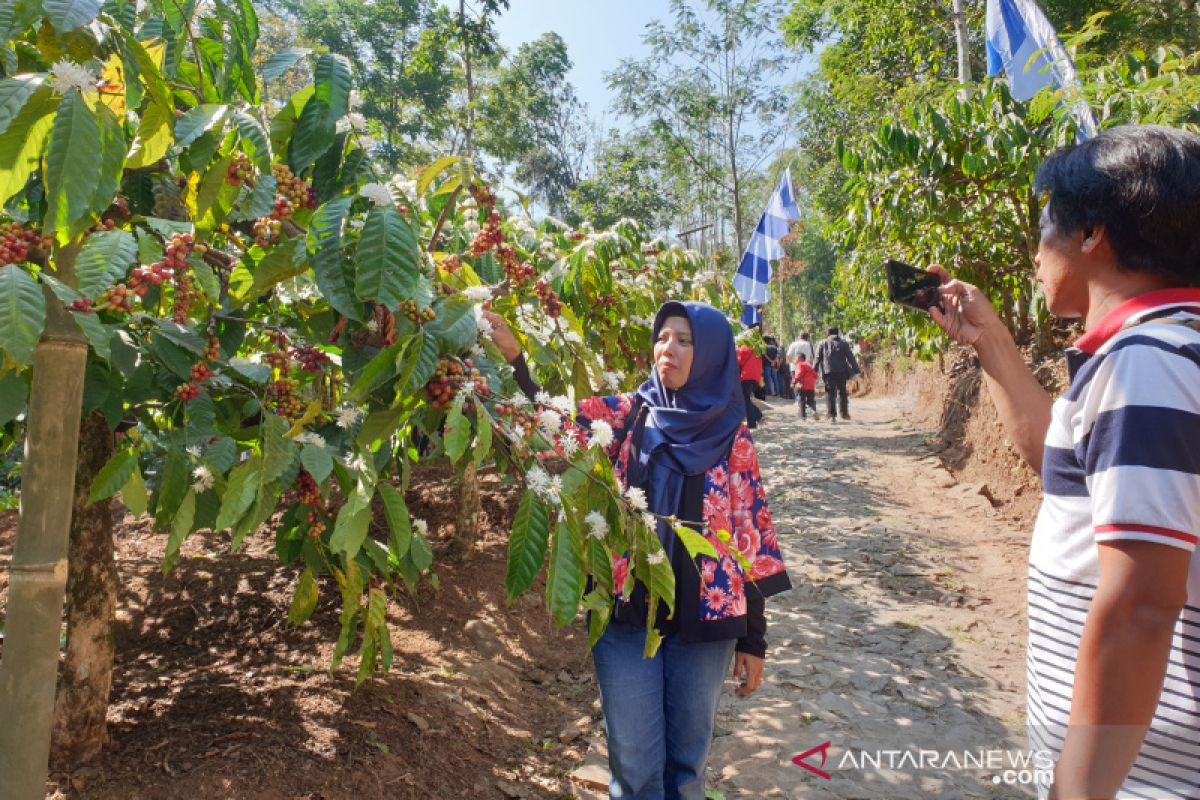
(214, 693)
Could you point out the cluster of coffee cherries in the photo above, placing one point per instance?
(283, 397)
(268, 229)
(241, 170)
(490, 235)
(15, 241)
(308, 493)
(311, 358)
(297, 191)
(449, 377)
(410, 309)
(517, 271)
(521, 417)
(174, 267)
(450, 263)
(201, 371)
(549, 299)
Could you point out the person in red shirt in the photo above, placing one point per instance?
(805, 384)
(750, 368)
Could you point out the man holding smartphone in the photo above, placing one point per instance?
(1114, 582)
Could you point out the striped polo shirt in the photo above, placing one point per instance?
(1122, 462)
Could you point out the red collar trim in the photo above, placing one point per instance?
(1119, 317)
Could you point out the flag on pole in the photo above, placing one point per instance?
(751, 315)
(1022, 43)
(754, 272)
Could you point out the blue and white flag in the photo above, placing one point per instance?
(754, 272)
(1022, 43)
(751, 315)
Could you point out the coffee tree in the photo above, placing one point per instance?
(258, 313)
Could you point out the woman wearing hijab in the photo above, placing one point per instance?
(681, 439)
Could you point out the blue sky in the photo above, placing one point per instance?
(598, 33)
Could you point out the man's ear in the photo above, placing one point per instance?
(1093, 237)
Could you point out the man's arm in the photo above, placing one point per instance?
(1122, 660)
(1021, 402)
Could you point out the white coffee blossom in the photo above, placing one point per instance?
(405, 187)
(597, 524)
(420, 526)
(202, 479)
(518, 433)
(613, 379)
(562, 405)
(355, 462)
(377, 193)
(355, 98)
(540, 483)
(542, 398)
(550, 421)
(569, 446)
(483, 324)
(470, 227)
(657, 557)
(602, 434)
(357, 223)
(519, 400)
(478, 294)
(311, 439)
(477, 351)
(470, 214)
(357, 122)
(649, 520)
(67, 75)
(194, 451)
(347, 416)
(467, 387)
(636, 498)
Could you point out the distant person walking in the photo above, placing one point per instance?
(805, 384)
(770, 361)
(836, 364)
(801, 346)
(750, 371)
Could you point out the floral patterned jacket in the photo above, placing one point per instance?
(734, 501)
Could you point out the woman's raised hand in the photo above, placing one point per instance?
(502, 337)
(968, 312)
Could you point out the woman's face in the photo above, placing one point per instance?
(673, 352)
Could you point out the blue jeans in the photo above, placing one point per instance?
(659, 712)
(772, 380)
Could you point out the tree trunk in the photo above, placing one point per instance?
(466, 521)
(83, 687)
(960, 35)
(38, 572)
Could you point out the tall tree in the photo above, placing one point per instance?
(706, 89)
(627, 180)
(401, 51)
(530, 117)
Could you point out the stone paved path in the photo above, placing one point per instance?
(905, 630)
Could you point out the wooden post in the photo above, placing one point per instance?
(38, 573)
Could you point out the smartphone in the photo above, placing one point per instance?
(912, 287)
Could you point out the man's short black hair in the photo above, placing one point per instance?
(833, 331)
(1142, 183)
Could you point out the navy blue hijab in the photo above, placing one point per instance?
(687, 431)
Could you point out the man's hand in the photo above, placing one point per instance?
(968, 311)
(502, 337)
(748, 671)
